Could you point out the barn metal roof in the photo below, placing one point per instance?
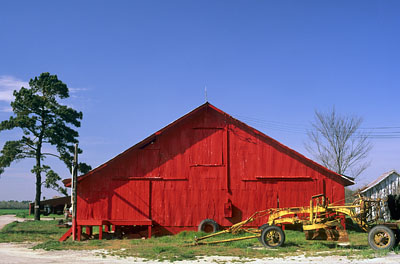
(344, 179)
(379, 180)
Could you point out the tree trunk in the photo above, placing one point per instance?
(38, 194)
(38, 185)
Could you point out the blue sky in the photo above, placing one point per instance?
(135, 66)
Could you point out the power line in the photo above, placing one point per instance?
(384, 132)
(379, 127)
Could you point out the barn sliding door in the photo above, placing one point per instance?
(131, 201)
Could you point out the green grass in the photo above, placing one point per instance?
(24, 213)
(13, 211)
(34, 231)
(181, 247)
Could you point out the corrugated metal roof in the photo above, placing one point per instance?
(379, 180)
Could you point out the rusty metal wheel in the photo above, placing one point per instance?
(381, 237)
(272, 236)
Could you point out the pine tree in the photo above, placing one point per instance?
(43, 121)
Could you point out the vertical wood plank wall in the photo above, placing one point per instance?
(192, 169)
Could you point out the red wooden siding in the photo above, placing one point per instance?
(199, 167)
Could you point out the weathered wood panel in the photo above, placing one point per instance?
(387, 183)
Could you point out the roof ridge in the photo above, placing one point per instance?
(379, 180)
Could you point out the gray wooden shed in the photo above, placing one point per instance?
(387, 183)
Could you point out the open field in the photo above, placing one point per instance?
(13, 211)
(44, 235)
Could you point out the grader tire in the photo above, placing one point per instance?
(381, 237)
(208, 226)
(262, 227)
(272, 237)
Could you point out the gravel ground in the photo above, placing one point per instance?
(18, 253)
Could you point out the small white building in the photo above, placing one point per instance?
(387, 183)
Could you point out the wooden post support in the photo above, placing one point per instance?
(100, 232)
(79, 232)
(149, 231)
(89, 230)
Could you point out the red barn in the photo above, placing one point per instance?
(205, 165)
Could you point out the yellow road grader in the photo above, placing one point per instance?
(321, 220)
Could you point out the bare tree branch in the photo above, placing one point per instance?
(337, 143)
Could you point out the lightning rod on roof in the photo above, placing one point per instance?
(205, 93)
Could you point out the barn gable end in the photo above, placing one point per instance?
(204, 165)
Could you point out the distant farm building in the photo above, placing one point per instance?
(205, 165)
(385, 185)
(54, 205)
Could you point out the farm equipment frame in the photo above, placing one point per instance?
(321, 220)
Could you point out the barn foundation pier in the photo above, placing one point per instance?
(111, 225)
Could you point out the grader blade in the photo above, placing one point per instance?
(329, 234)
(343, 236)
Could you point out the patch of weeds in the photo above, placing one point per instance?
(162, 249)
(396, 250)
(10, 227)
(317, 245)
(136, 241)
(382, 253)
(186, 234)
(53, 245)
(187, 255)
(272, 253)
(165, 239)
(33, 231)
(365, 254)
(243, 244)
(22, 214)
(96, 243)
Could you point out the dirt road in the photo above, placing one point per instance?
(20, 253)
(12, 253)
(6, 219)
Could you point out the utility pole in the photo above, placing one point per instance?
(74, 192)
